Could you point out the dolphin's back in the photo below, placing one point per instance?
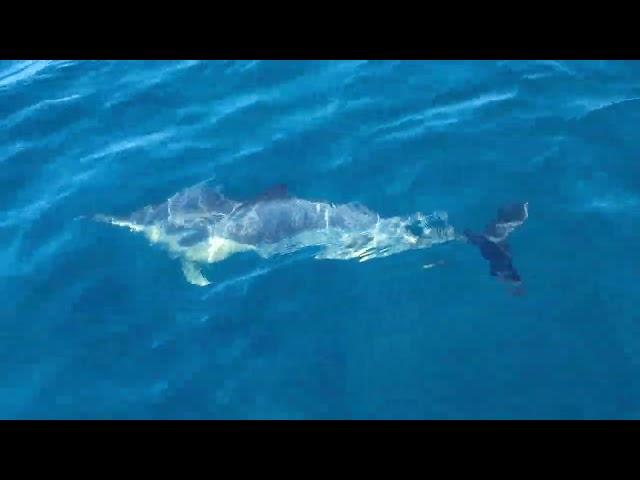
(202, 211)
(200, 203)
(275, 220)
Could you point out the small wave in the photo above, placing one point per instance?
(31, 110)
(242, 153)
(23, 71)
(131, 143)
(13, 149)
(592, 105)
(308, 119)
(613, 203)
(333, 76)
(358, 104)
(236, 281)
(419, 130)
(141, 81)
(227, 107)
(536, 69)
(242, 280)
(54, 194)
(558, 66)
(20, 261)
(31, 211)
(448, 112)
(242, 66)
(535, 76)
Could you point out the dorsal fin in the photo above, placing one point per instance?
(275, 192)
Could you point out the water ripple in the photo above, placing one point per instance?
(22, 72)
(28, 112)
(443, 114)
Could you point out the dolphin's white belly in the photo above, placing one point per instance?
(210, 250)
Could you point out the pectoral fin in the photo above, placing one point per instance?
(193, 274)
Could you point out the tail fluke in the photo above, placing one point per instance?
(493, 245)
(508, 219)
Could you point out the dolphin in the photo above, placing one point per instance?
(200, 225)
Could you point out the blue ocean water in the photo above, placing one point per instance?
(96, 323)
